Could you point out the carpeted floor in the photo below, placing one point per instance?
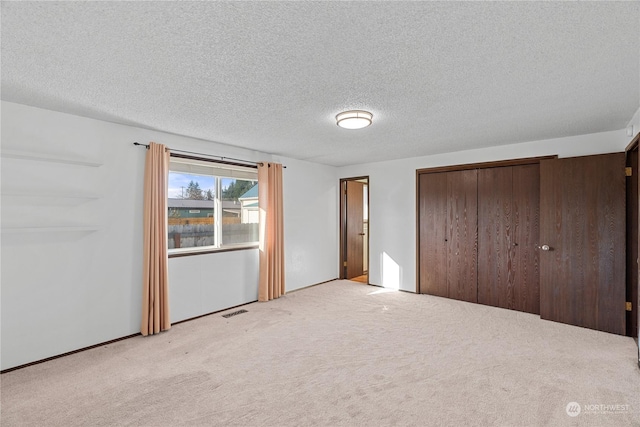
(340, 354)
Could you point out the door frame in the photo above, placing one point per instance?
(633, 270)
(343, 224)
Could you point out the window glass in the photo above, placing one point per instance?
(239, 211)
(211, 205)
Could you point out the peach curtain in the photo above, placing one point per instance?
(271, 283)
(155, 289)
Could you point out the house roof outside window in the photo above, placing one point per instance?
(252, 193)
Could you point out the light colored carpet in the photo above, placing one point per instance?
(340, 354)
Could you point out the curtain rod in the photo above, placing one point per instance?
(207, 155)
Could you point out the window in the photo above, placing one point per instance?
(211, 205)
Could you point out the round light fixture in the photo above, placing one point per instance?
(354, 119)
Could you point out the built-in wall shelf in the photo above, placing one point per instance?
(24, 197)
(49, 229)
(44, 157)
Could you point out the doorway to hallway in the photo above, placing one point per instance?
(354, 229)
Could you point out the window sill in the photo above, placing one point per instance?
(196, 251)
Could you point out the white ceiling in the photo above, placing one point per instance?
(271, 76)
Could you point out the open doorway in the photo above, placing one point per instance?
(354, 229)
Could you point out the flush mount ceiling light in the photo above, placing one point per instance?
(354, 119)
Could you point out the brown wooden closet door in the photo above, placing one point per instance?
(524, 243)
(433, 234)
(582, 220)
(462, 232)
(495, 269)
(508, 232)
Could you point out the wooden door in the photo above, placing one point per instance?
(632, 242)
(354, 228)
(462, 235)
(432, 231)
(582, 224)
(526, 233)
(495, 272)
(508, 216)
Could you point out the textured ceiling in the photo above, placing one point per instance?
(271, 76)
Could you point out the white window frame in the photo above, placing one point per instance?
(219, 171)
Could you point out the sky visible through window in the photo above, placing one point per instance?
(179, 182)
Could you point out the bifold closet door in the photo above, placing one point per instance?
(582, 238)
(526, 233)
(495, 270)
(433, 233)
(448, 234)
(508, 230)
(462, 232)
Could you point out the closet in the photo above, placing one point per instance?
(543, 236)
(478, 234)
(508, 230)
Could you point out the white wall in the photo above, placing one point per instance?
(62, 291)
(635, 122)
(392, 196)
(311, 223)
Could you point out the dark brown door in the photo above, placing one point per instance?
(433, 238)
(526, 234)
(355, 229)
(508, 216)
(582, 238)
(632, 242)
(448, 234)
(495, 273)
(462, 235)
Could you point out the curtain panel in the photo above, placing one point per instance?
(271, 283)
(155, 288)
